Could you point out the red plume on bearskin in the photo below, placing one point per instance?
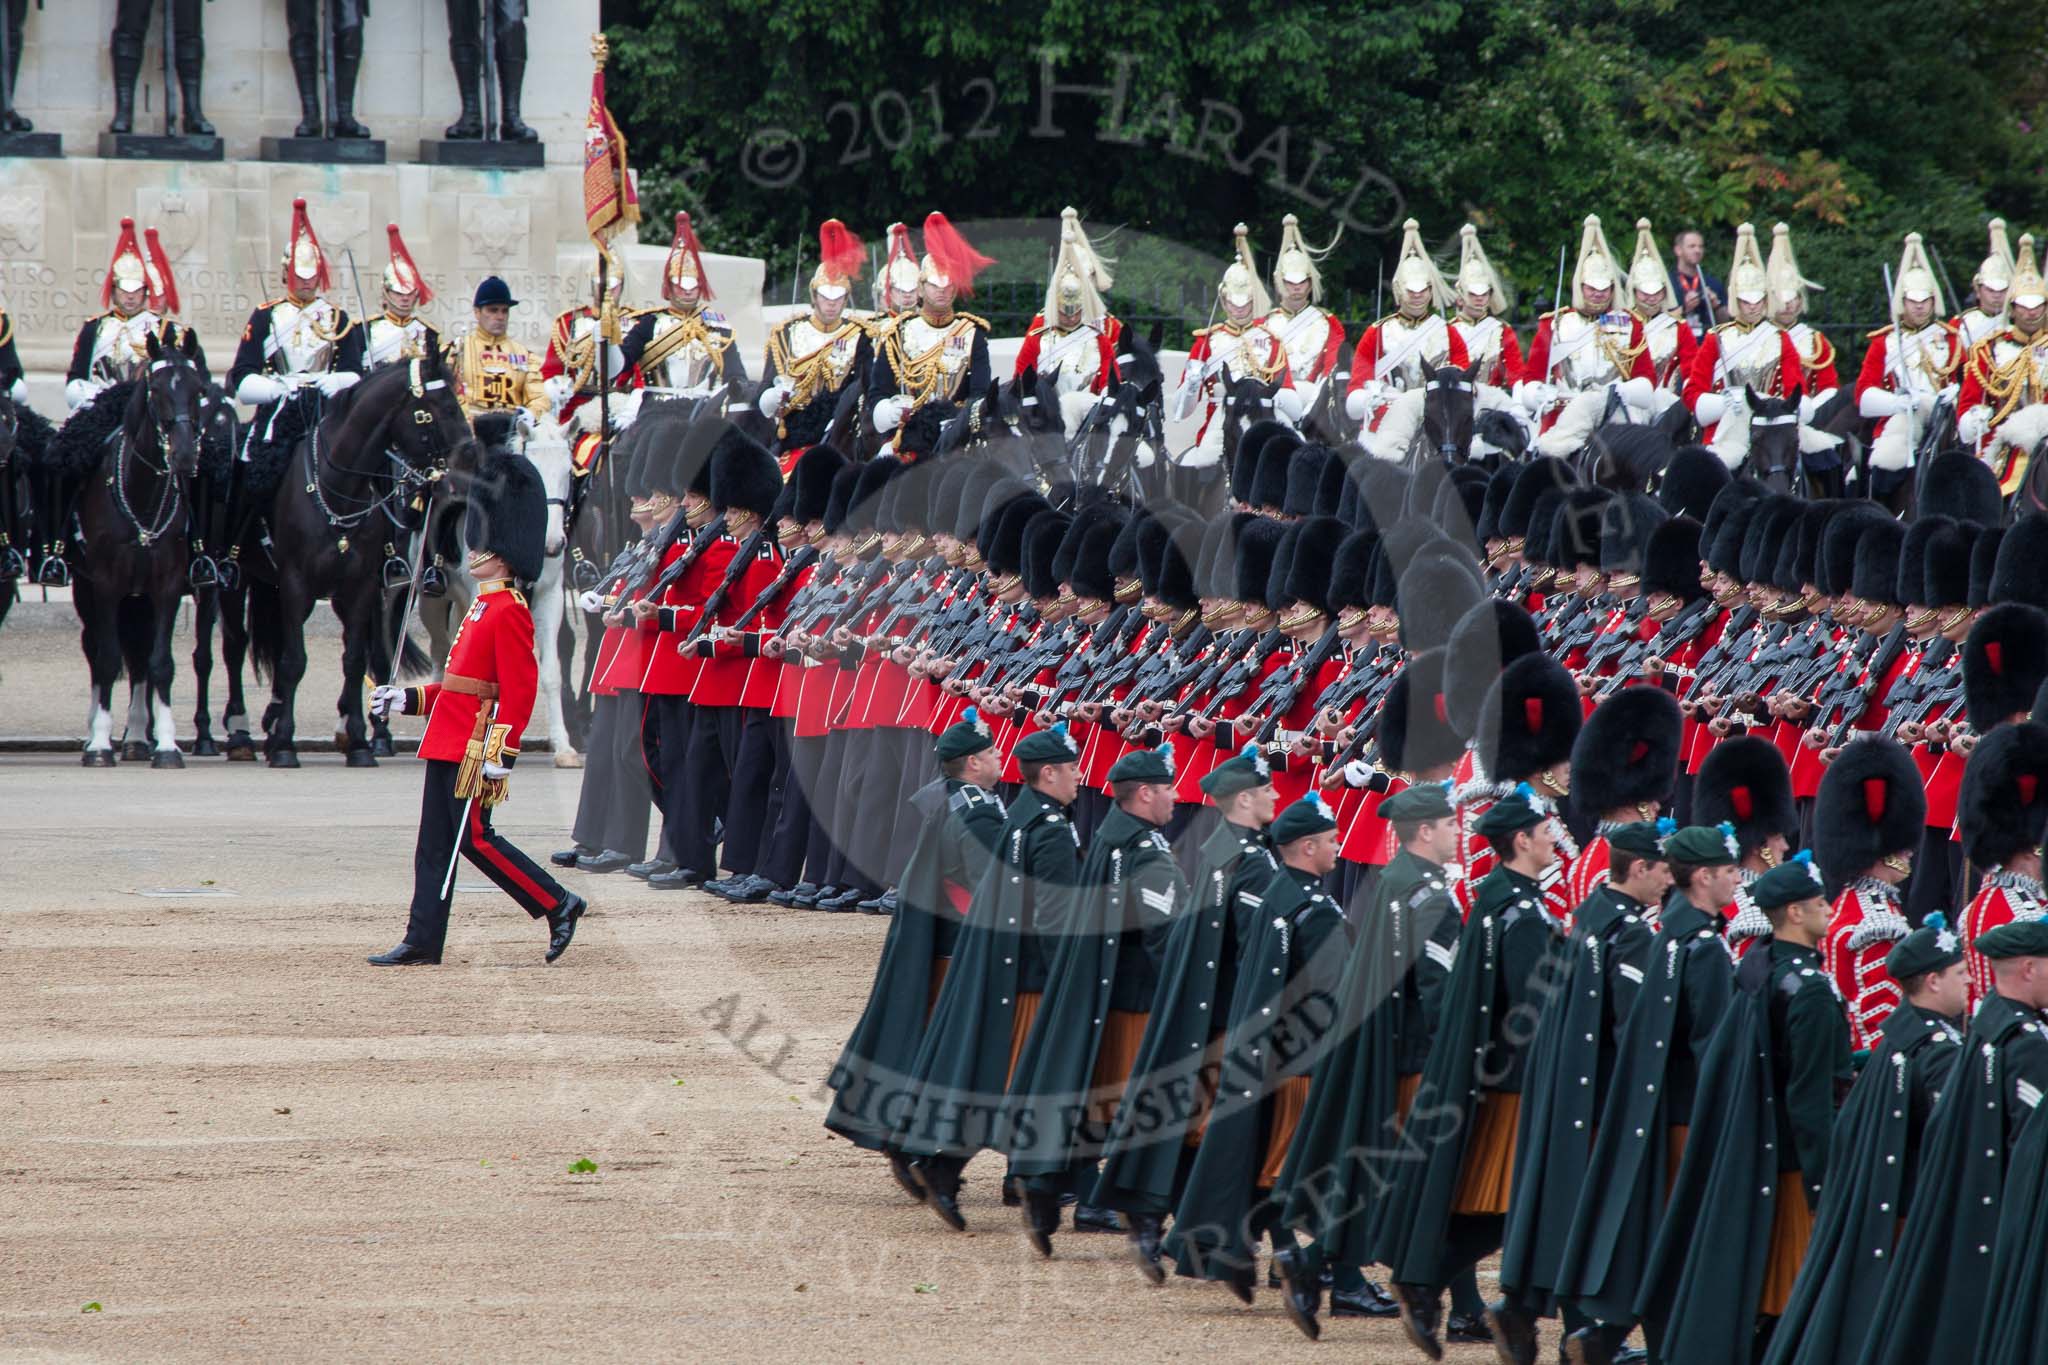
(1744, 781)
(1999, 806)
(957, 260)
(686, 244)
(1871, 805)
(163, 285)
(124, 245)
(839, 250)
(402, 258)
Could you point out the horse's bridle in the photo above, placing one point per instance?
(168, 498)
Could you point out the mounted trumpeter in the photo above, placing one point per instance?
(1992, 285)
(1481, 317)
(1910, 366)
(936, 352)
(814, 357)
(1072, 341)
(1399, 352)
(1749, 354)
(1671, 343)
(1236, 349)
(1311, 334)
(684, 347)
(1588, 355)
(2003, 406)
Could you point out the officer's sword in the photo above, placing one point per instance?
(462, 830)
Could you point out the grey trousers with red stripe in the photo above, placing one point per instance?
(441, 818)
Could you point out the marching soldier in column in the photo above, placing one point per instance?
(813, 358)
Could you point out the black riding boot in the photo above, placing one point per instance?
(229, 569)
(14, 122)
(201, 573)
(127, 58)
(348, 59)
(191, 58)
(511, 73)
(305, 59)
(468, 60)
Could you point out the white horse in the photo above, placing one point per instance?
(550, 455)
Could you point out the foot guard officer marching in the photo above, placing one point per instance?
(475, 717)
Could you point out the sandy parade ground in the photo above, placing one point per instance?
(222, 1136)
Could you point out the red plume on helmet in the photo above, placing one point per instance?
(839, 251)
(126, 250)
(303, 257)
(950, 252)
(403, 273)
(685, 257)
(899, 243)
(163, 285)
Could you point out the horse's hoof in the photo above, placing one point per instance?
(167, 758)
(382, 747)
(97, 758)
(360, 758)
(241, 753)
(568, 758)
(134, 751)
(340, 740)
(204, 747)
(284, 758)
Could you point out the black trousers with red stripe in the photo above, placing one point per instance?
(440, 825)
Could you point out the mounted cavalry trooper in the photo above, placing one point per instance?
(684, 348)
(934, 353)
(1747, 353)
(1586, 358)
(1310, 333)
(813, 358)
(1072, 341)
(1237, 348)
(1992, 285)
(1397, 353)
(2005, 381)
(140, 295)
(1671, 343)
(296, 352)
(1480, 320)
(1909, 368)
(569, 370)
(896, 286)
(1818, 380)
(399, 333)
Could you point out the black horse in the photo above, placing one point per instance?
(359, 478)
(24, 437)
(134, 516)
(1773, 457)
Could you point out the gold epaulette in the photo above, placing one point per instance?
(980, 322)
(1038, 324)
(1882, 331)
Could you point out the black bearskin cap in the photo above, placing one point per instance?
(1005, 552)
(1348, 570)
(2003, 804)
(1911, 589)
(1486, 639)
(1330, 491)
(508, 513)
(1871, 805)
(1487, 526)
(1537, 477)
(1813, 524)
(1433, 596)
(1984, 553)
(1539, 541)
(1960, 485)
(1626, 525)
(1774, 520)
(1744, 782)
(1691, 482)
(1530, 719)
(1627, 753)
(1740, 492)
(1945, 566)
(1276, 463)
(1876, 574)
(1176, 572)
(1312, 547)
(999, 496)
(1304, 480)
(1722, 542)
(1671, 561)
(1415, 732)
(970, 497)
(1090, 574)
(744, 475)
(1041, 543)
(1835, 570)
(1216, 552)
(811, 481)
(1258, 541)
(2005, 657)
(2021, 573)
(1245, 461)
(840, 501)
(1123, 551)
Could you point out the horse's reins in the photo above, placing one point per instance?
(168, 502)
(403, 485)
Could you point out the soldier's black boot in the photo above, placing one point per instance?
(1421, 1314)
(15, 123)
(1144, 1244)
(906, 1178)
(510, 127)
(1514, 1332)
(1301, 1291)
(191, 57)
(1600, 1344)
(348, 59)
(940, 1177)
(1041, 1219)
(306, 75)
(127, 58)
(467, 59)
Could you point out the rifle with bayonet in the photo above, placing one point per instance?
(1674, 634)
(1299, 675)
(1851, 699)
(1611, 645)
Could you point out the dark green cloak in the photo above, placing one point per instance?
(952, 1102)
(1689, 980)
(1339, 1164)
(2015, 1330)
(1508, 948)
(954, 847)
(1935, 1298)
(1106, 957)
(1199, 965)
(1871, 1162)
(1570, 1064)
(1280, 1020)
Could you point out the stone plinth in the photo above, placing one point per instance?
(324, 151)
(478, 152)
(161, 147)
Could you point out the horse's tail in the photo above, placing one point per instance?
(266, 627)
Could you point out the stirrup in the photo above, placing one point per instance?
(55, 573)
(586, 574)
(230, 574)
(203, 573)
(12, 565)
(397, 573)
(433, 583)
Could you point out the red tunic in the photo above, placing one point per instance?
(2004, 897)
(494, 644)
(1863, 929)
